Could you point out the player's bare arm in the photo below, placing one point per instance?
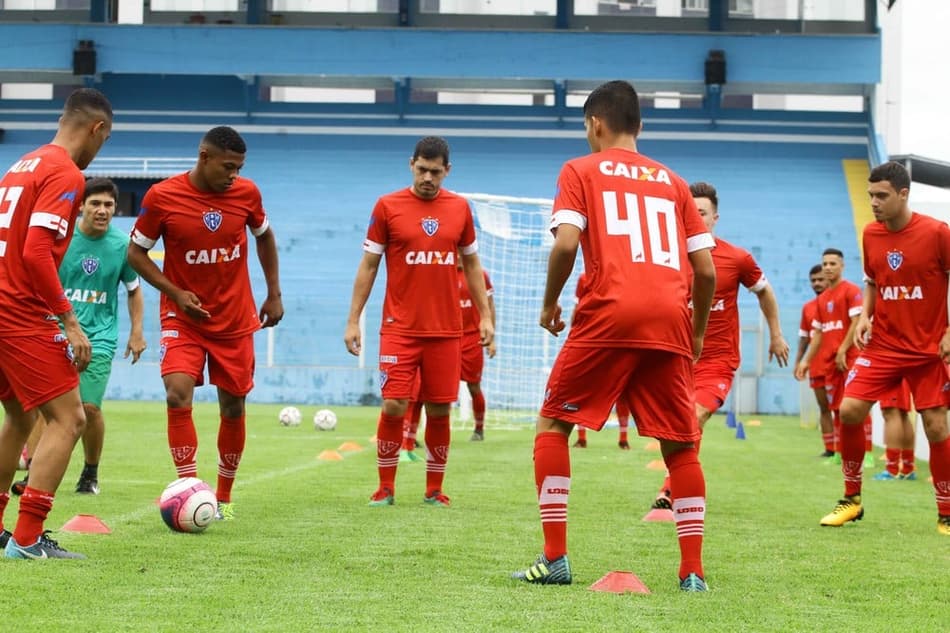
(492, 347)
(778, 347)
(841, 357)
(362, 286)
(704, 287)
(150, 272)
(801, 370)
(862, 328)
(475, 278)
(136, 344)
(560, 265)
(272, 309)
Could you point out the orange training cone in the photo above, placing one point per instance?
(86, 523)
(620, 582)
(330, 456)
(754, 422)
(652, 446)
(656, 464)
(350, 446)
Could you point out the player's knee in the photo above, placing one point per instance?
(853, 411)
(935, 425)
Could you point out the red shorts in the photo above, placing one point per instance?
(658, 385)
(473, 358)
(816, 382)
(873, 377)
(230, 361)
(36, 368)
(834, 388)
(436, 360)
(713, 381)
(898, 397)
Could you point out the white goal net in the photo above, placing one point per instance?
(513, 245)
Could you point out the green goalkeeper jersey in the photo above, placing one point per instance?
(90, 273)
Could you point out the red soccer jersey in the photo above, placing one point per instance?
(421, 239)
(470, 316)
(42, 189)
(835, 309)
(809, 316)
(638, 224)
(734, 267)
(909, 271)
(205, 236)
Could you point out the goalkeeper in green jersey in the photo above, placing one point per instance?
(91, 272)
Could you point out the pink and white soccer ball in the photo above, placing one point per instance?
(324, 420)
(289, 416)
(188, 505)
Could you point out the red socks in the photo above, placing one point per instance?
(852, 457)
(388, 441)
(939, 468)
(478, 410)
(231, 438)
(893, 463)
(34, 508)
(438, 436)
(689, 508)
(182, 441)
(552, 476)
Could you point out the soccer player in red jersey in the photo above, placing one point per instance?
(632, 334)
(40, 196)
(906, 262)
(473, 352)
(207, 306)
(836, 316)
(422, 230)
(816, 380)
(900, 436)
(716, 368)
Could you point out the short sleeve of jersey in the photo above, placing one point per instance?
(57, 200)
(148, 226)
(855, 302)
(750, 275)
(377, 233)
(943, 246)
(697, 235)
(569, 206)
(467, 241)
(805, 325)
(257, 218)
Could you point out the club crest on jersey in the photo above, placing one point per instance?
(831, 306)
(430, 225)
(90, 265)
(895, 259)
(212, 219)
(383, 377)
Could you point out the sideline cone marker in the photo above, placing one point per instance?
(740, 431)
(658, 515)
(656, 464)
(86, 523)
(730, 419)
(652, 446)
(330, 456)
(350, 446)
(620, 582)
(754, 422)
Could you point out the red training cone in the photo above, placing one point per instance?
(620, 582)
(86, 523)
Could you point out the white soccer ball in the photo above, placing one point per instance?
(188, 505)
(324, 420)
(289, 416)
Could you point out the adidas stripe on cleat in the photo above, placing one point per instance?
(848, 509)
(547, 572)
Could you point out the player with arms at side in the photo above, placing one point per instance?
(816, 380)
(632, 334)
(836, 316)
(40, 196)
(716, 368)
(94, 266)
(207, 306)
(906, 263)
(421, 229)
(473, 352)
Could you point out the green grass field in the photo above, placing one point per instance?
(305, 553)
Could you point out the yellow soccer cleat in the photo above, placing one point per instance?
(943, 524)
(848, 509)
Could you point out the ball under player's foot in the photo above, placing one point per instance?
(546, 572)
(849, 508)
